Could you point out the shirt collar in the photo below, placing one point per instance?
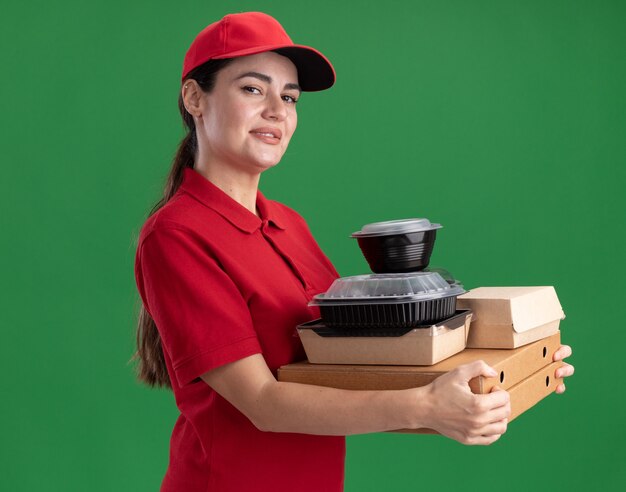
(210, 195)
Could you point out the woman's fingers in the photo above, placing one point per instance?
(483, 435)
(494, 428)
(473, 369)
(562, 352)
(497, 414)
(495, 421)
(482, 440)
(564, 371)
(491, 419)
(498, 398)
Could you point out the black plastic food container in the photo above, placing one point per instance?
(401, 315)
(398, 245)
(388, 300)
(323, 330)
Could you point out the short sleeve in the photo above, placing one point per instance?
(202, 318)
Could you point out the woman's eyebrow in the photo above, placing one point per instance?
(267, 79)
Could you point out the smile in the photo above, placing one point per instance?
(267, 131)
(267, 135)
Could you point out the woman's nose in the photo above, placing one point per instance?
(275, 107)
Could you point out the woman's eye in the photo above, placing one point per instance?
(290, 99)
(251, 90)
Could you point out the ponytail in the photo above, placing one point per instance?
(151, 368)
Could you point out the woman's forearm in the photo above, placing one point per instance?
(302, 408)
(446, 405)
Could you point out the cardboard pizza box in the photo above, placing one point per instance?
(522, 372)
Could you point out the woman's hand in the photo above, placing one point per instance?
(456, 412)
(566, 369)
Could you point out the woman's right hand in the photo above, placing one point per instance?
(456, 412)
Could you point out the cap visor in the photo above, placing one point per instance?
(315, 72)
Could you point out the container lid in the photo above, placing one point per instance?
(402, 226)
(447, 276)
(387, 288)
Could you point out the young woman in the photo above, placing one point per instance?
(225, 275)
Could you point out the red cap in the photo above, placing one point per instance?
(249, 33)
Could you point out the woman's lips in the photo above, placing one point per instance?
(268, 135)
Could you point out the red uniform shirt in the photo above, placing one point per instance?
(222, 284)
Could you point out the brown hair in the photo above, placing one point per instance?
(151, 368)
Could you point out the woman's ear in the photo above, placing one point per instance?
(192, 98)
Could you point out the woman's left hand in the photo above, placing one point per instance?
(566, 369)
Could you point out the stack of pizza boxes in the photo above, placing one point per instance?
(428, 327)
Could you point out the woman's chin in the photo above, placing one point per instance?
(265, 164)
(256, 162)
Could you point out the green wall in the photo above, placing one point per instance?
(502, 120)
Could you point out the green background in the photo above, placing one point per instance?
(502, 120)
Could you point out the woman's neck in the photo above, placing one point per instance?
(241, 187)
